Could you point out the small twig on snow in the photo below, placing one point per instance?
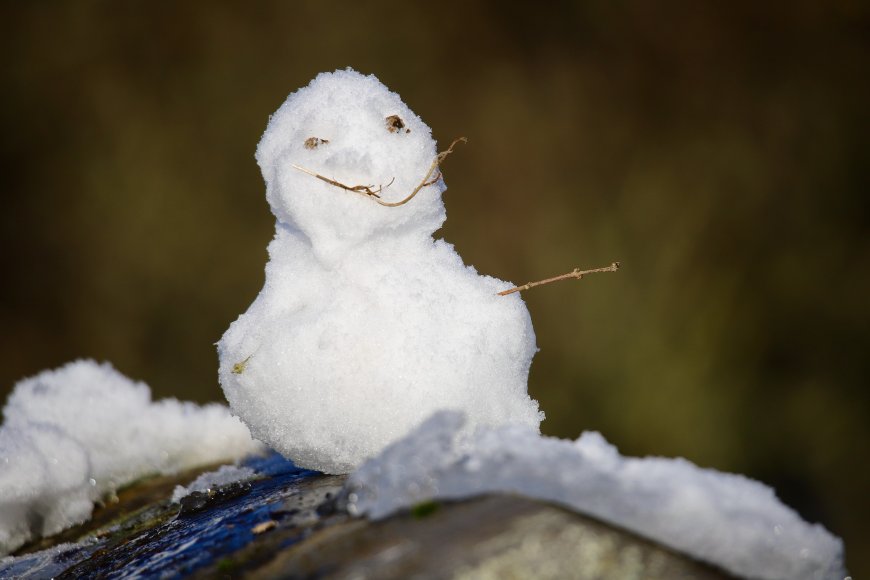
(240, 367)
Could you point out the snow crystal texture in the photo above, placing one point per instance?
(724, 519)
(73, 435)
(366, 324)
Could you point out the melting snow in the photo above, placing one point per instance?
(73, 435)
(224, 475)
(724, 519)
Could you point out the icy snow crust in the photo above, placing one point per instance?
(724, 519)
(73, 435)
(222, 476)
(366, 325)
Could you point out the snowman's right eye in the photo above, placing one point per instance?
(395, 124)
(315, 142)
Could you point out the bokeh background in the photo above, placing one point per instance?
(720, 151)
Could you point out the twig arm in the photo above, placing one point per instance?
(576, 274)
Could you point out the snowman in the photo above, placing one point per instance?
(366, 325)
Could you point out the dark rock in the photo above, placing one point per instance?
(489, 537)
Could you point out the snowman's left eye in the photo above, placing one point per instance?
(395, 124)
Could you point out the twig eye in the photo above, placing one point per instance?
(314, 142)
(395, 124)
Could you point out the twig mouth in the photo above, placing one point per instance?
(373, 192)
(366, 190)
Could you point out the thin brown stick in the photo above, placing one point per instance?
(374, 193)
(426, 180)
(575, 273)
(366, 190)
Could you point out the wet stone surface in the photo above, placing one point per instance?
(286, 523)
(144, 534)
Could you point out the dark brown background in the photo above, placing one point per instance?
(719, 150)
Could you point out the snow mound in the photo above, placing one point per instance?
(724, 519)
(366, 325)
(73, 435)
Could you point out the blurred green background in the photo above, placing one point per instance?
(718, 150)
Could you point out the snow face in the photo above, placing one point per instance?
(726, 520)
(352, 129)
(365, 325)
(73, 435)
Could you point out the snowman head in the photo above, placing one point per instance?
(351, 129)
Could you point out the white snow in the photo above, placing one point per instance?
(73, 435)
(224, 475)
(724, 519)
(366, 325)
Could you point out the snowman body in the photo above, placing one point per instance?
(366, 325)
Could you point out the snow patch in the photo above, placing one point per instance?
(724, 519)
(71, 436)
(224, 475)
